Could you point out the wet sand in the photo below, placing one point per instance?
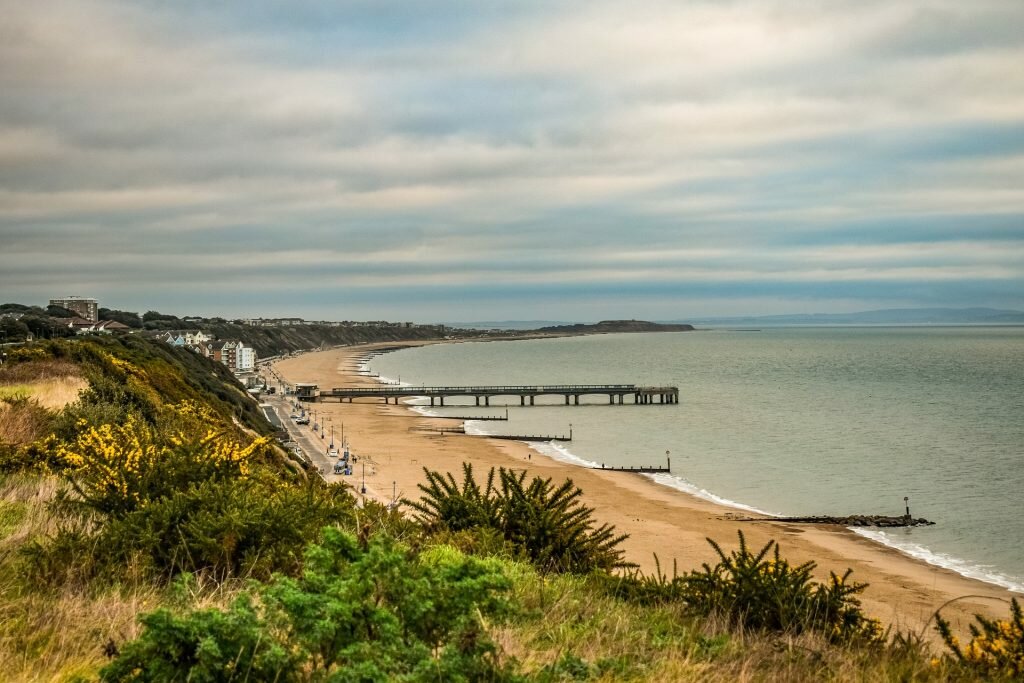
(673, 525)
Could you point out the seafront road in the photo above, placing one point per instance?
(278, 409)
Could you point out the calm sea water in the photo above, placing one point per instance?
(794, 421)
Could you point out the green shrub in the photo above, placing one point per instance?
(996, 648)
(771, 594)
(544, 523)
(371, 611)
(230, 527)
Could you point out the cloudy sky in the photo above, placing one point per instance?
(487, 160)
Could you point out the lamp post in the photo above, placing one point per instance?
(364, 477)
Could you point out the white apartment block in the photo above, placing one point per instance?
(245, 358)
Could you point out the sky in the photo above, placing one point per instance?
(531, 160)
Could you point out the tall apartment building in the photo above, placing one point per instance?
(85, 308)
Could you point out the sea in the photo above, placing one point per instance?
(787, 421)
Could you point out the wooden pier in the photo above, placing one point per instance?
(527, 394)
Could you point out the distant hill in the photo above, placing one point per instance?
(506, 324)
(888, 316)
(612, 326)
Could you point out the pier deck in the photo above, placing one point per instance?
(616, 393)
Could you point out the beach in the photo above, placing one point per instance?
(903, 592)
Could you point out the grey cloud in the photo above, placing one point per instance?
(521, 140)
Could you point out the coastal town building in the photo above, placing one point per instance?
(273, 322)
(192, 338)
(238, 357)
(245, 358)
(83, 326)
(82, 306)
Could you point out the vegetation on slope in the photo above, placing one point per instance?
(149, 531)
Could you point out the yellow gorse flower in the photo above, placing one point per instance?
(120, 467)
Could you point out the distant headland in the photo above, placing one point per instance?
(613, 326)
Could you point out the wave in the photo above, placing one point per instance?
(680, 484)
(962, 567)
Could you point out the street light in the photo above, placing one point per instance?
(364, 477)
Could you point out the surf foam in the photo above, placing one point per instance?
(962, 567)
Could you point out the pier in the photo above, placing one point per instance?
(527, 394)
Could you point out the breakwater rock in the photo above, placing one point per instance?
(850, 520)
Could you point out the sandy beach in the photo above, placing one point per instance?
(903, 592)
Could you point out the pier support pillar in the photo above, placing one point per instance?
(567, 399)
(531, 400)
(576, 399)
(431, 401)
(442, 401)
(487, 400)
(522, 400)
(477, 399)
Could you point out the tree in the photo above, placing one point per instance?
(12, 330)
(45, 327)
(60, 312)
(150, 316)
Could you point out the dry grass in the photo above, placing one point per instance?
(52, 393)
(37, 370)
(618, 641)
(29, 393)
(55, 633)
(25, 498)
(22, 421)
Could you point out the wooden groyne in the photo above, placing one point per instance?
(616, 393)
(533, 437)
(640, 469)
(478, 418)
(439, 430)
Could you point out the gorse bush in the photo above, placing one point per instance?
(996, 647)
(360, 611)
(763, 591)
(760, 591)
(252, 526)
(116, 469)
(544, 523)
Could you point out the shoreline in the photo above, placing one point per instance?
(661, 519)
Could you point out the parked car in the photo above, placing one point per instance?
(332, 453)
